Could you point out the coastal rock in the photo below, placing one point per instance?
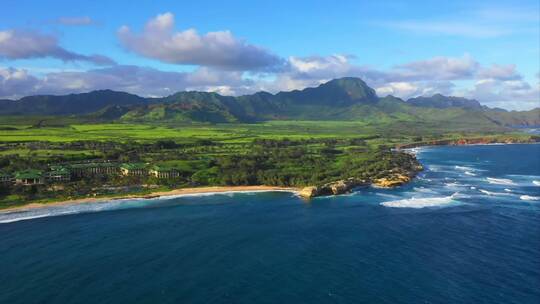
(334, 188)
(392, 181)
(309, 192)
(341, 186)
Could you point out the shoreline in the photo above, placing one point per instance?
(171, 193)
(225, 189)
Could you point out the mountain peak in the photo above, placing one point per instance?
(337, 92)
(354, 87)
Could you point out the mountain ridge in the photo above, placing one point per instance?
(345, 98)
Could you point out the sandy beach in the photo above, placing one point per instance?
(176, 192)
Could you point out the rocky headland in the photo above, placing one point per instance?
(394, 177)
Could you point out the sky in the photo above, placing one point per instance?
(484, 50)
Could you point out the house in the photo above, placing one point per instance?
(93, 169)
(58, 174)
(164, 172)
(29, 177)
(5, 178)
(133, 169)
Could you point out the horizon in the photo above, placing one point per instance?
(404, 49)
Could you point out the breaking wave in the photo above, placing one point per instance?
(500, 181)
(529, 198)
(494, 193)
(421, 202)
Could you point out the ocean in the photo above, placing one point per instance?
(467, 230)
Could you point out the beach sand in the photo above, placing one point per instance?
(176, 192)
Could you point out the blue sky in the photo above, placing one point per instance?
(488, 50)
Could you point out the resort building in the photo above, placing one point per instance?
(93, 169)
(5, 178)
(58, 174)
(164, 172)
(29, 177)
(133, 169)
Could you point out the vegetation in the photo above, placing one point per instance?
(338, 130)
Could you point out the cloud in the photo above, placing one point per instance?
(495, 85)
(75, 21)
(508, 94)
(421, 77)
(408, 90)
(16, 80)
(16, 83)
(214, 49)
(440, 68)
(19, 44)
(500, 72)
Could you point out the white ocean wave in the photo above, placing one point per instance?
(529, 198)
(423, 190)
(500, 181)
(469, 173)
(464, 168)
(423, 202)
(491, 193)
(536, 182)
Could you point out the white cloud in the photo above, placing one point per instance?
(500, 72)
(439, 68)
(508, 94)
(496, 85)
(15, 83)
(17, 44)
(220, 49)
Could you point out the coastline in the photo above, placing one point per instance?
(260, 188)
(158, 194)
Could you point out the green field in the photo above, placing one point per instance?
(217, 132)
(281, 153)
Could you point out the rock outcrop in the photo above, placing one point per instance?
(309, 192)
(335, 188)
(392, 181)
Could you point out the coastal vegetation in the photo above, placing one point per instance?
(269, 140)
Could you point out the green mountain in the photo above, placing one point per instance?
(339, 99)
(442, 102)
(68, 104)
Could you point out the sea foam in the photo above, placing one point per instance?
(500, 181)
(421, 202)
(529, 198)
(490, 193)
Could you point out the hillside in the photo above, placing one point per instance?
(347, 98)
(68, 104)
